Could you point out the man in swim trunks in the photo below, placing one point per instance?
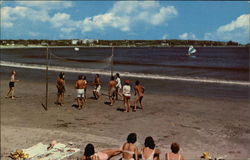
(80, 85)
(139, 92)
(12, 85)
(112, 90)
(60, 84)
(97, 84)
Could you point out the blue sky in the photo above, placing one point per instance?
(118, 20)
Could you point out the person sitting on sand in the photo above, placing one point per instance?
(126, 90)
(112, 90)
(174, 154)
(129, 150)
(89, 153)
(149, 152)
(139, 91)
(80, 85)
(60, 84)
(12, 85)
(97, 84)
(118, 86)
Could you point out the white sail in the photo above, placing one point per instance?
(191, 50)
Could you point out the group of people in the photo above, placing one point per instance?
(130, 151)
(115, 90)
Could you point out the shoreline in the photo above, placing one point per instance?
(108, 46)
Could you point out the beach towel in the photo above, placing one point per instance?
(58, 152)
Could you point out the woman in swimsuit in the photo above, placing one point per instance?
(139, 92)
(130, 151)
(118, 86)
(12, 85)
(89, 153)
(126, 91)
(149, 152)
(174, 154)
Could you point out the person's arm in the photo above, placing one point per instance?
(136, 153)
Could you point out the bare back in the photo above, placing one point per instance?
(139, 89)
(129, 150)
(112, 84)
(80, 84)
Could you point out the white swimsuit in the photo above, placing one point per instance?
(151, 157)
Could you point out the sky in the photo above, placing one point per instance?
(126, 20)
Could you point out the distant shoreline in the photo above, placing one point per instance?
(105, 46)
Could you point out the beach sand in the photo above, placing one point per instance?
(218, 125)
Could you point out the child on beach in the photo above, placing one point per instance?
(112, 90)
(80, 88)
(60, 84)
(12, 85)
(97, 84)
(139, 92)
(118, 86)
(126, 90)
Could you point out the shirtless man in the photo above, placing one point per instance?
(97, 84)
(12, 85)
(139, 91)
(80, 85)
(60, 84)
(112, 90)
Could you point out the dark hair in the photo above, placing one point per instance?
(118, 75)
(97, 75)
(112, 78)
(80, 77)
(84, 77)
(137, 82)
(132, 138)
(61, 75)
(149, 142)
(89, 150)
(175, 147)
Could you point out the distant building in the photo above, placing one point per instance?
(74, 41)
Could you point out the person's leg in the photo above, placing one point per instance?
(8, 94)
(94, 94)
(128, 102)
(62, 98)
(135, 103)
(125, 104)
(12, 92)
(78, 102)
(140, 100)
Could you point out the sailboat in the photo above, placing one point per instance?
(191, 51)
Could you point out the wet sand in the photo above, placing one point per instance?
(217, 123)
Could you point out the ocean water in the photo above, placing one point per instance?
(211, 64)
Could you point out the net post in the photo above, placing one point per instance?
(47, 67)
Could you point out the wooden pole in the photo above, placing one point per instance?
(47, 78)
(112, 62)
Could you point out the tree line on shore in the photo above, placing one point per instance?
(125, 43)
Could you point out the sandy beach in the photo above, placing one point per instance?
(198, 122)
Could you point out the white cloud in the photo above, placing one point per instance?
(125, 14)
(165, 36)
(241, 22)
(186, 36)
(46, 5)
(34, 34)
(237, 30)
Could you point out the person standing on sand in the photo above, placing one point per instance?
(129, 150)
(118, 86)
(126, 91)
(80, 85)
(85, 88)
(12, 85)
(89, 153)
(174, 154)
(139, 92)
(97, 84)
(149, 152)
(112, 90)
(60, 85)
